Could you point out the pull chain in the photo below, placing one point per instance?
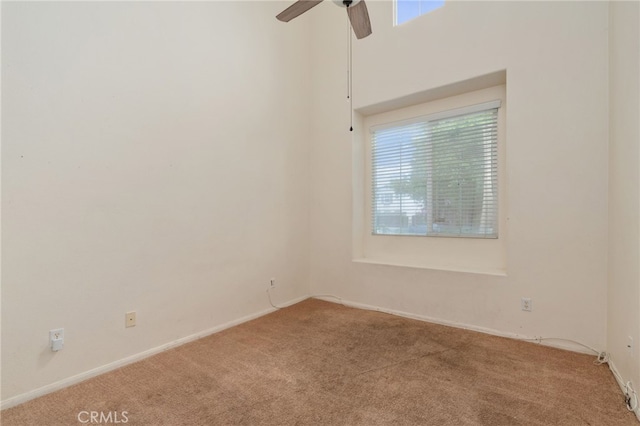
(348, 56)
(350, 73)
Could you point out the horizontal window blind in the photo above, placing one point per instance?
(437, 175)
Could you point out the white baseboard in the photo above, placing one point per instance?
(19, 399)
(617, 376)
(552, 342)
(558, 343)
(61, 384)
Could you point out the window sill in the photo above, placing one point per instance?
(466, 270)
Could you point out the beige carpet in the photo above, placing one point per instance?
(319, 363)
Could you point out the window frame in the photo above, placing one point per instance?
(474, 255)
(424, 119)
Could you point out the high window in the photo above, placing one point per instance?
(406, 10)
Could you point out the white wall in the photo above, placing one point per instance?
(623, 320)
(155, 159)
(556, 57)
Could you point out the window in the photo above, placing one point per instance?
(437, 175)
(430, 166)
(406, 10)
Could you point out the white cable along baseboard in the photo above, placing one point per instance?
(559, 343)
(555, 343)
(623, 386)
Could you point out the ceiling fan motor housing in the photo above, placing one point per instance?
(356, 11)
(346, 3)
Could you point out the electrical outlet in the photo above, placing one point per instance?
(56, 339)
(130, 319)
(272, 282)
(526, 304)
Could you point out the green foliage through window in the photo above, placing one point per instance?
(437, 178)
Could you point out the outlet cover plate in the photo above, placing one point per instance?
(130, 319)
(56, 339)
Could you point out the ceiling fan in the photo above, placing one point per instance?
(356, 10)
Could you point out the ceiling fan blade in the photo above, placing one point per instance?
(359, 17)
(297, 9)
